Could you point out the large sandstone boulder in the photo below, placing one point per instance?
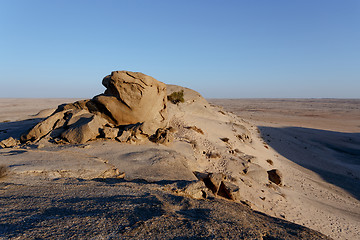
(130, 99)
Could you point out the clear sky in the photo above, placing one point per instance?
(221, 48)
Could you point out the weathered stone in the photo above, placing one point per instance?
(84, 129)
(196, 190)
(213, 181)
(244, 137)
(131, 134)
(9, 142)
(213, 155)
(200, 175)
(132, 97)
(112, 173)
(44, 127)
(78, 105)
(216, 182)
(163, 136)
(110, 132)
(256, 172)
(275, 176)
(229, 190)
(124, 137)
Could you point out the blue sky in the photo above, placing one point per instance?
(222, 49)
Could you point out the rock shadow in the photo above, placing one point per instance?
(16, 128)
(335, 156)
(177, 183)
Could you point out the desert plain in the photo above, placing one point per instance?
(108, 189)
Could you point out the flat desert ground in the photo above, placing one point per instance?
(61, 191)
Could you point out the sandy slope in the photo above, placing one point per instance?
(322, 195)
(317, 144)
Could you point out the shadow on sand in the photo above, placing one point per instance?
(17, 128)
(335, 156)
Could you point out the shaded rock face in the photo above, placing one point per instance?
(130, 98)
(275, 176)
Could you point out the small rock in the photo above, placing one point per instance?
(244, 137)
(196, 190)
(229, 190)
(131, 134)
(218, 186)
(201, 175)
(213, 155)
(213, 181)
(85, 146)
(124, 137)
(40, 145)
(110, 132)
(275, 176)
(225, 139)
(3, 171)
(257, 173)
(237, 150)
(163, 136)
(7, 143)
(270, 161)
(112, 173)
(196, 129)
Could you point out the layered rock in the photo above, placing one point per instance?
(130, 98)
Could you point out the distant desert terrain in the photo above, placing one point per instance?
(340, 115)
(62, 191)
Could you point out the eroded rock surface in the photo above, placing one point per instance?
(10, 142)
(130, 99)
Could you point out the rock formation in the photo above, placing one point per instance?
(130, 99)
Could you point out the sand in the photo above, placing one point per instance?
(315, 145)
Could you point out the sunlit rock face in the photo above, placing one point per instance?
(130, 98)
